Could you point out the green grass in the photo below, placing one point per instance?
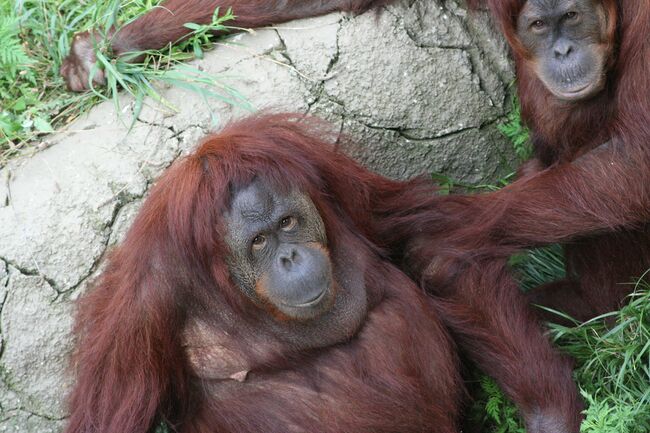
(614, 365)
(539, 266)
(35, 37)
(612, 371)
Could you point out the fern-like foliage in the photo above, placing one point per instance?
(501, 413)
(13, 57)
(517, 132)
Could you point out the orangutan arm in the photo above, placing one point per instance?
(165, 24)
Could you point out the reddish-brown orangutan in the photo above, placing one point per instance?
(251, 295)
(498, 336)
(583, 77)
(246, 298)
(583, 80)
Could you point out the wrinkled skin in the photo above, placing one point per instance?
(568, 45)
(280, 260)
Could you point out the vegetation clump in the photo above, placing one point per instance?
(35, 38)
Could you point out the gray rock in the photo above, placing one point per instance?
(19, 421)
(36, 326)
(419, 88)
(469, 154)
(63, 199)
(429, 92)
(4, 280)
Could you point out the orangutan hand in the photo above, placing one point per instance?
(79, 64)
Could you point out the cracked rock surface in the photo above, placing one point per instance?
(420, 87)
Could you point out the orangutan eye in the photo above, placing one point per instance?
(571, 15)
(288, 223)
(538, 25)
(259, 242)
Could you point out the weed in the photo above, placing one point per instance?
(515, 130)
(34, 38)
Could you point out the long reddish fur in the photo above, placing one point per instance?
(399, 374)
(167, 21)
(583, 195)
(594, 198)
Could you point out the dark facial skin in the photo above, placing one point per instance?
(280, 260)
(568, 46)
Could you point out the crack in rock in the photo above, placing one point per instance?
(29, 272)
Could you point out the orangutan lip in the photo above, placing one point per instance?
(313, 302)
(575, 92)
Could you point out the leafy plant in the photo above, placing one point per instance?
(492, 411)
(34, 38)
(166, 66)
(15, 66)
(613, 357)
(12, 54)
(517, 132)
